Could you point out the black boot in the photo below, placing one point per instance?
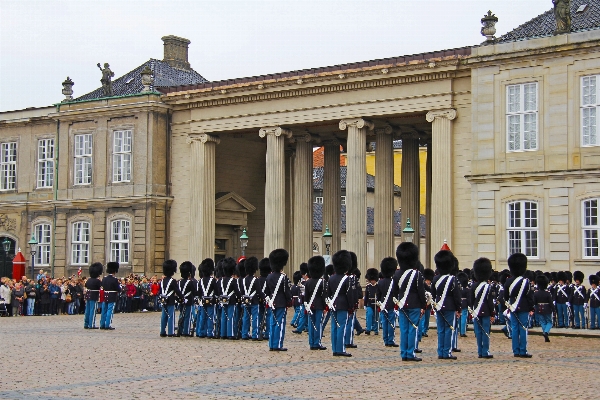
(546, 337)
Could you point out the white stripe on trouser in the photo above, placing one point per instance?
(281, 326)
(112, 313)
(94, 316)
(232, 321)
(170, 321)
(344, 336)
(416, 340)
(451, 331)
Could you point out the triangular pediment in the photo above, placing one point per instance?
(231, 201)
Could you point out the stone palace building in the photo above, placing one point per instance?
(160, 163)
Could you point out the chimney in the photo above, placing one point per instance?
(176, 51)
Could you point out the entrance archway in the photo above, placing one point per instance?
(7, 257)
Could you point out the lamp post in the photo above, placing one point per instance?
(244, 242)
(327, 236)
(6, 248)
(33, 244)
(408, 233)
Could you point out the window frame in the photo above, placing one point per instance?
(5, 166)
(522, 113)
(522, 228)
(318, 199)
(120, 242)
(44, 243)
(46, 162)
(77, 164)
(343, 200)
(120, 155)
(584, 106)
(594, 228)
(85, 245)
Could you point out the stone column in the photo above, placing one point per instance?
(275, 188)
(441, 168)
(202, 198)
(384, 194)
(332, 195)
(356, 188)
(428, 182)
(302, 201)
(411, 183)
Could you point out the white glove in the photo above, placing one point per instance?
(568, 304)
(554, 302)
(506, 313)
(585, 306)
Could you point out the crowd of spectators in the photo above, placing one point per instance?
(58, 296)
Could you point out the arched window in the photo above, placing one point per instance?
(315, 247)
(119, 241)
(80, 243)
(523, 228)
(42, 235)
(591, 228)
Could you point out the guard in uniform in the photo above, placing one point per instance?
(314, 301)
(370, 300)
(111, 287)
(428, 275)
(302, 322)
(481, 300)
(92, 294)
(251, 297)
(542, 301)
(205, 290)
(340, 300)
(188, 291)
(593, 296)
(386, 291)
(228, 297)
(578, 300)
(562, 300)
(445, 291)
(278, 297)
(167, 292)
(463, 280)
(518, 295)
(264, 313)
(297, 301)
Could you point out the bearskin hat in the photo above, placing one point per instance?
(113, 267)
(548, 275)
(342, 262)
(482, 269)
(388, 267)
(578, 276)
(554, 276)
(463, 279)
(207, 267)
(517, 263)
(407, 254)
(561, 276)
(251, 266)
(597, 274)
(96, 270)
(264, 267)
(444, 261)
(529, 275)
(316, 267)
(278, 258)
(229, 266)
(594, 279)
(354, 261)
(219, 269)
(356, 273)
(169, 267)
(494, 277)
(542, 282)
(240, 268)
(372, 274)
(428, 274)
(329, 270)
(467, 271)
(297, 275)
(304, 268)
(185, 269)
(503, 276)
(569, 276)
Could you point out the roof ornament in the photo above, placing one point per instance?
(488, 30)
(562, 14)
(147, 79)
(106, 80)
(67, 90)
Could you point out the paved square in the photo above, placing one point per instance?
(55, 358)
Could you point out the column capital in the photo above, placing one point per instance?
(275, 131)
(408, 134)
(332, 142)
(202, 138)
(358, 122)
(448, 113)
(386, 129)
(301, 137)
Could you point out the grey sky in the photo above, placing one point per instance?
(41, 42)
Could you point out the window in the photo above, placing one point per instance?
(319, 200)
(521, 117)
(122, 156)
(589, 109)
(83, 159)
(80, 243)
(315, 247)
(523, 228)
(8, 166)
(119, 241)
(591, 228)
(42, 234)
(343, 200)
(45, 172)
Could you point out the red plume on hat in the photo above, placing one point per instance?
(240, 258)
(445, 246)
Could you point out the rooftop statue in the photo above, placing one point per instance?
(106, 80)
(562, 14)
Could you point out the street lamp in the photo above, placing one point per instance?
(408, 233)
(33, 245)
(6, 247)
(327, 236)
(244, 241)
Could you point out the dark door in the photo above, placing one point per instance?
(6, 258)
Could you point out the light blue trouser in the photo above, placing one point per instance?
(463, 321)
(250, 318)
(205, 325)
(518, 320)
(186, 326)
(349, 333)
(302, 320)
(107, 315)
(483, 341)
(372, 325)
(594, 317)
(277, 328)
(167, 320)
(409, 335)
(388, 326)
(315, 328)
(254, 310)
(579, 315)
(263, 321)
(30, 305)
(228, 321)
(545, 321)
(89, 319)
(339, 332)
(296, 316)
(444, 332)
(562, 316)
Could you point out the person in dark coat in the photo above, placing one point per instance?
(481, 302)
(314, 301)
(279, 298)
(92, 295)
(111, 287)
(341, 301)
(542, 300)
(229, 294)
(518, 294)
(385, 292)
(169, 293)
(206, 289)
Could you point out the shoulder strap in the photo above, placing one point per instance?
(308, 305)
(562, 290)
(184, 287)
(413, 273)
(387, 295)
(246, 289)
(331, 302)
(226, 291)
(594, 292)
(483, 287)
(440, 303)
(272, 299)
(205, 289)
(579, 291)
(525, 282)
(164, 290)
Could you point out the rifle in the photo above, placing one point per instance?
(475, 317)
(434, 306)
(508, 306)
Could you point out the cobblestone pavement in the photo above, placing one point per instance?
(55, 358)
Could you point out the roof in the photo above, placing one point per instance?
(318, 179)
(164, 75)
(319, 157)
(318, 220)
(545, 24)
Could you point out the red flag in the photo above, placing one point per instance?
(79, 272)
